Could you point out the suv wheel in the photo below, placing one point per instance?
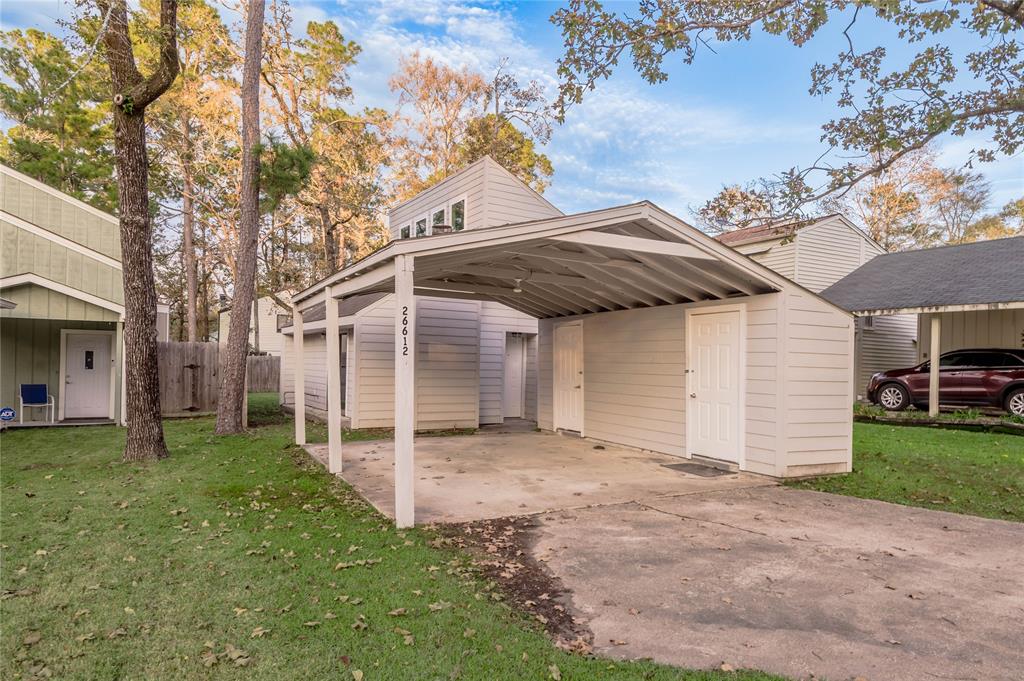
(893, 397)
(1015, 402)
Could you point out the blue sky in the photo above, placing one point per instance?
(730, 117)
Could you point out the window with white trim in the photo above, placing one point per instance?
(457, 211)
(421, 227)
(405, 232)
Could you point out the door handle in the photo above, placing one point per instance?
(578, 387)
(693, 395)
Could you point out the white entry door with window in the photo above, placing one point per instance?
(714, 383)
(515, 369)
(568, 375)
(88, 372)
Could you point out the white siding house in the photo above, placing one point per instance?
(264, 332)
(462, 345)
(818, 253)
(650, 334)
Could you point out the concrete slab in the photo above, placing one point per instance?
(795, 582)
(472, 477)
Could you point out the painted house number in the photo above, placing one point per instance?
(405, 330)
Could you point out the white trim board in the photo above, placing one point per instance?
(60, 240)
(70, 291)
(64, 333)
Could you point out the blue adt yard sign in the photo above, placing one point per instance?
(7, 414)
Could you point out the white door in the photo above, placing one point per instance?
(568, 370)
(514, 370)
(714, 385)
(87, 375)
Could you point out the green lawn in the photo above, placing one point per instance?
(237, 558)
(951, 470)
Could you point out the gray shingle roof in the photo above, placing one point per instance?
(969, 274)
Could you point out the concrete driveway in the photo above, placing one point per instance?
(795, 582)
(498, 474)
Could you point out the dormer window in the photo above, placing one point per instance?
(421, 227)
(437, 217)
(458, 210)
(405, 232)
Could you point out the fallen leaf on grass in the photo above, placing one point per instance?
(357, 675)
(259, 632)
(556, 674)
(397, 612)
(32, 638)
(85, 637)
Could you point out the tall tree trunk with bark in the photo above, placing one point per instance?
(132, 94)
(188, 251)
(232, 387)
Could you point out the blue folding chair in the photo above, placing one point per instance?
(35, 395)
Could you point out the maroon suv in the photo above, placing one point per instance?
(976, 378)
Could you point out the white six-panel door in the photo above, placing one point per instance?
(568, 375)
(714, 384)
(87, 374)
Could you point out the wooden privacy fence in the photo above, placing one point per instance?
(190, 377)
(264, 373)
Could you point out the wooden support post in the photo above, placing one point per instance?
(333, 385)
(933, 367)
(299, 363)
(405, 387)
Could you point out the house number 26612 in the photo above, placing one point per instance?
(405, 330)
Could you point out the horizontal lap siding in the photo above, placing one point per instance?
(496, 321)
(468, 183)
(509, 200)
(545, 380)
(780, 255)
(762, 388)
(827, 252)
(530, 405)
(36, 302)
(818, 393)
(634, 382)
(447, 364)
(888, 344)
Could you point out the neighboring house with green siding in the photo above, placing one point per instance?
(63, 315)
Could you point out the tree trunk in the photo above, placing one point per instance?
(330, 239)
(232, 390)
(142, 382)
(187, 245)
(131, 95)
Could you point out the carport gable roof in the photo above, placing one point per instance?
(617, 258)
(985, 274)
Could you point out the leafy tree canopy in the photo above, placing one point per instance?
(888, 111)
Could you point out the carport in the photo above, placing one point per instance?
(763, 383)
(965, 296)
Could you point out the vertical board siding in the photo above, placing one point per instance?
(496, 321)
(30, 353)
(975, 329)
(62, 215)
(447, 364)
(818, 392)
(36, 302)
(27, 253)
(530, 406)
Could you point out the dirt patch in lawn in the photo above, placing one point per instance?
(502, 550)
